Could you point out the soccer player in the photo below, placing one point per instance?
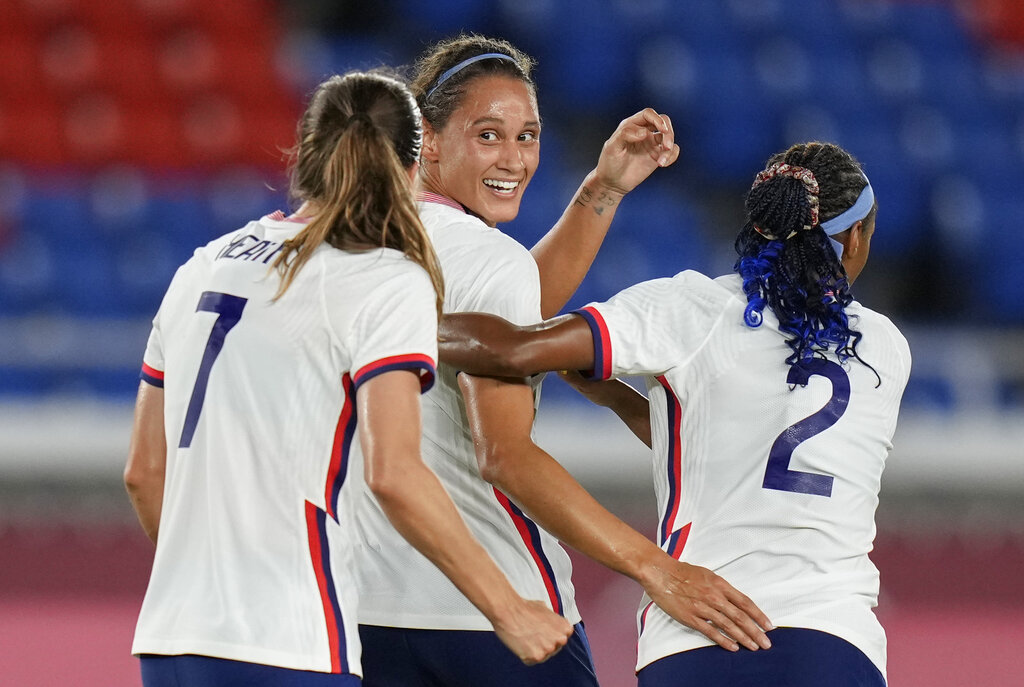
(286, 361)
(773, 402)
(480, 150)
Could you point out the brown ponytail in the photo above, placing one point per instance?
(358, 138)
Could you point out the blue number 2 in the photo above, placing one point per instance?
(778, 475)
(229, 312)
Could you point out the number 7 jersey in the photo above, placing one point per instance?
(765, 473)
(254, 559)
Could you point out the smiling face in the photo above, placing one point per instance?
(488, 150)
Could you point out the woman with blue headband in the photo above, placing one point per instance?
(773, 398)
(481, 147)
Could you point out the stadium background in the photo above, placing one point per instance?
(133, 130)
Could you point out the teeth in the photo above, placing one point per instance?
(503, 185)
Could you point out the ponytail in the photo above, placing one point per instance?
(786, 260)
(360, 187)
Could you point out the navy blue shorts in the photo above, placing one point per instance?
(798, 658)
(206, 671)
(401, 657)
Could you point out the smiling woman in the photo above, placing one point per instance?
(489, 149)
(481, 147)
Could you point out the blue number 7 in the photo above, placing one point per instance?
(777, 474)
(229, 312)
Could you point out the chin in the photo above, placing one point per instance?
(505, 213)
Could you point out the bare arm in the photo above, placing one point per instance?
(147, 459)
(639, 145)
(501, 415)
(484, 344)
(420, 509)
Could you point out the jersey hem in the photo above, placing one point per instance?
(235, 652)
(408, 621)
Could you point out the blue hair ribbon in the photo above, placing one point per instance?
(849, 217)
(465, 63)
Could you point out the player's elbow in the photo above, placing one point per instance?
(140, 476)
(496, 463)
(388, 484)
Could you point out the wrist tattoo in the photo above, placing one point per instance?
(604, 200)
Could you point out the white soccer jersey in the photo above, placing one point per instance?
(771, 484)
(254, 559)
(487, 271)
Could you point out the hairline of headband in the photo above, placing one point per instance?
(846, 219)
(465, 63)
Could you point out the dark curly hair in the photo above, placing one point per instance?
(786, 261)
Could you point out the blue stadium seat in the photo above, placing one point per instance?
(588, 64)
(28, 274)
(444, 16)
(19, 382)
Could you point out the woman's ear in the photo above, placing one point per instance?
(428, 151)
(856, 240)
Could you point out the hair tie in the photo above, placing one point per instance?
(801, 174)
(465, 63)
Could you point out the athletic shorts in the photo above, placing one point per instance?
(205, 671)
(798, 658)
(401, 657)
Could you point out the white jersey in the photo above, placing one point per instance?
(770, 483)
(484, 270)
(254, 559)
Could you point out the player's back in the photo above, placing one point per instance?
(260, 422)
(769, 473)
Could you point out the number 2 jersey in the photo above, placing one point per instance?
(764, 473)
(254, 558)
(484, 270)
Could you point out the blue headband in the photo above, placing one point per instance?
(852, 215)
(465, 63)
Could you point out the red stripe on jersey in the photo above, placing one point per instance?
(343, 434)
(152, 372)
(677, 541)
(602, 342)
(674, 459)
(318, 552)
(279, 216)
(643, 617)
(530, 535)
(410, 361)
(431, 197)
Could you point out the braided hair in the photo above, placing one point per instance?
(785, 259)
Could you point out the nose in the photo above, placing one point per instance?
(511, 159)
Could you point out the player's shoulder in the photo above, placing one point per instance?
(874, 324)
(370, 270)
(455, 233)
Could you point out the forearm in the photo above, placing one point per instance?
(147, 500)
(421, 511)
(566, 252)
(551, 497)
(484, 344)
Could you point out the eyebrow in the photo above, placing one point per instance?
(497, 120)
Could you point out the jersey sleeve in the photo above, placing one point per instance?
(396, 329)
(153, 359)
(650, 327)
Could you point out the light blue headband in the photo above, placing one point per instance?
(849, 217)
(465, 63)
